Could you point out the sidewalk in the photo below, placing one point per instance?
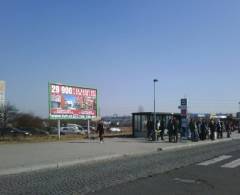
(17, 158)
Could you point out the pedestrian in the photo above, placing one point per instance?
(193, 129)
(203, 131)
(219, 129)
(222, 129)
(212, 127)
(238, 123)
(175, 130)
(170, 129)
(158, 131)
(100, 130)
(150, 129)
(184, 133)
(227, 127)
(162, 128)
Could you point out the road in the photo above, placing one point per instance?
(163, 172)
(219, 175)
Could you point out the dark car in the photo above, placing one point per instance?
(14, 132)
(41, 132)
(35, 131)
(92, 129)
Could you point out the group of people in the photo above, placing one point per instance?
(209, 129)
(194, 129)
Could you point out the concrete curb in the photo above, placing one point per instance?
(58, 164)
(195, 144)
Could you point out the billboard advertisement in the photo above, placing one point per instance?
(2, 92)
(71, 102)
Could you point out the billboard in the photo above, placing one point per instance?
(71, 102)
(2, 92)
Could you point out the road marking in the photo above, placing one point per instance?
(185, 180)
(215, 160)
(232, 164)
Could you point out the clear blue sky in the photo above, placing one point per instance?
(119, 46)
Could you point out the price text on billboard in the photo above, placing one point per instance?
(70, 102)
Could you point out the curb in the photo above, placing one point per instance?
(58, 164)
(195, 144)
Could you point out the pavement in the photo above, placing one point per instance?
(25, 157)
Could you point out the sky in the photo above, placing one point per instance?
(119, 46)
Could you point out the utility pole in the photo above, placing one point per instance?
(154, 120)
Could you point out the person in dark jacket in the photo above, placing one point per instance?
(212, 127)
(194, 130)
(162, 128)
(150, 129)
(100, 130)
(227, 127)
(170, 128)
(175, 129)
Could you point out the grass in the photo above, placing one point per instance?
(36, 139)
(125, 132)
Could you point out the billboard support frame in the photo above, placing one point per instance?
(59, 129)
(88, 122)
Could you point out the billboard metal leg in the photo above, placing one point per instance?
(88, 129)
(59, 128)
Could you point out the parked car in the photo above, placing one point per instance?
(20, 132)
(41, 132)
(14, 132)
(92, 129)
(71, 130)
(115, 129)
(35, 131)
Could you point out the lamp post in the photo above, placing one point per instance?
(154, 117)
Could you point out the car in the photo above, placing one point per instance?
(14, 132)
(92, 129)
(35, 131)
(40, 132)
(71, 130)
(115, 129)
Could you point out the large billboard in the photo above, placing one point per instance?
(71, 102)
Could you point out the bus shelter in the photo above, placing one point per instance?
(140, 119)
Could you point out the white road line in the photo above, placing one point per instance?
(232, 164)
(215, 160)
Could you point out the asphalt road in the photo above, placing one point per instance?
(219, 175)
(163, 172)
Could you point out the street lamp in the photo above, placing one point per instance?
(154, 117)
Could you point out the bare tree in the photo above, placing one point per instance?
(8, 114)
(28, 120)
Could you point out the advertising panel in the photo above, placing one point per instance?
(71, 102)
(2, 92)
